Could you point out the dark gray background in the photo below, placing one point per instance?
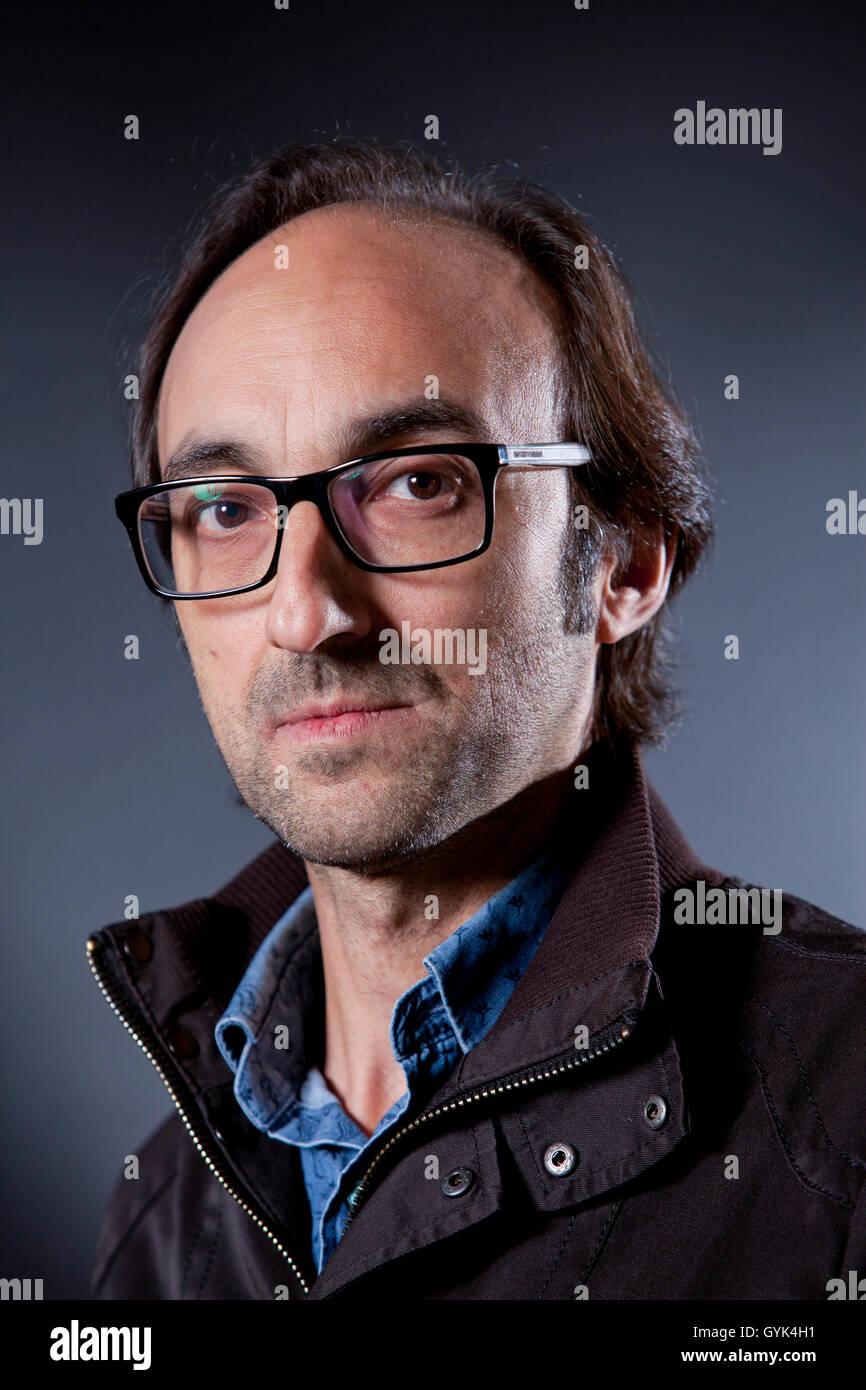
(740, 263)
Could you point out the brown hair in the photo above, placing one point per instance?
(646, 471)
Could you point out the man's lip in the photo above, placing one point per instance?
(346, 719)
(345, 706)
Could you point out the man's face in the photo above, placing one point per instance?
(291, 363)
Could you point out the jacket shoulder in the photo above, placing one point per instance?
(802, 1027)
(809, 928)
(805, 945)
(806, 971)
(772, 988)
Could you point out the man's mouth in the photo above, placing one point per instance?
(338, 719)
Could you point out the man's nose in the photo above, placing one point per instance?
(318, 593)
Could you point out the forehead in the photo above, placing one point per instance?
(350, 309)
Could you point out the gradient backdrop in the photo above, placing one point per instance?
(740, 263)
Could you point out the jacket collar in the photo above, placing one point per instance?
(593, 963)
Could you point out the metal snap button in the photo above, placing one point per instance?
(183, 1044)
(137, 945)
(457, 1182)
(559, 1159)
(655, 1111)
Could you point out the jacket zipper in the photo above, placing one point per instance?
(109, 994)
(605, 1040)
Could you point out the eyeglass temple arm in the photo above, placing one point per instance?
(544, 455)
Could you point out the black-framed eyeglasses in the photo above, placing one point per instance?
(416, 508)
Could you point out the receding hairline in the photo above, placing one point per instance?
(413, 219)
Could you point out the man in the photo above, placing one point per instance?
(480, 1024)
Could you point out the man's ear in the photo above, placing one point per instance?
(631, 594)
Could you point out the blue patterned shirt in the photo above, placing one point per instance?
(470, 978)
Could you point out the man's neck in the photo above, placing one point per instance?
(375, 931)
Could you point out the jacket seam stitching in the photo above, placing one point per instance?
(780, 1131)
(191, 1252)
(854, 1162)
(575, 989)
(210, 1259)
(601, 1242)
(123, 1240)
(797, 948)
(565, 1240)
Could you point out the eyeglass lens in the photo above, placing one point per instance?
(413, 510)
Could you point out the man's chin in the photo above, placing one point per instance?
(368, 861)
(363, 854)
(366, 833)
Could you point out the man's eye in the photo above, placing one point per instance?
(226, 514)
(419, 485)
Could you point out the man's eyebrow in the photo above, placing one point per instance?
(421, 417)
(364, 436)
(211, 456)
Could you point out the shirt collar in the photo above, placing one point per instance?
(477, 966)
(250, 1006)
(470, 975)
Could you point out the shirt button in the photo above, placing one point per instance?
(655, 1111)
(183, 1044)
(458, 1181)
(138, 946)
(559, 1159)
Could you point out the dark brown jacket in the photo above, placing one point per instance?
(716, 1117)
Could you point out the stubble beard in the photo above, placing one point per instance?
(333, 805)
(340, 807)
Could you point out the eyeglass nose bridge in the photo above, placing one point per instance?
(307, 488)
